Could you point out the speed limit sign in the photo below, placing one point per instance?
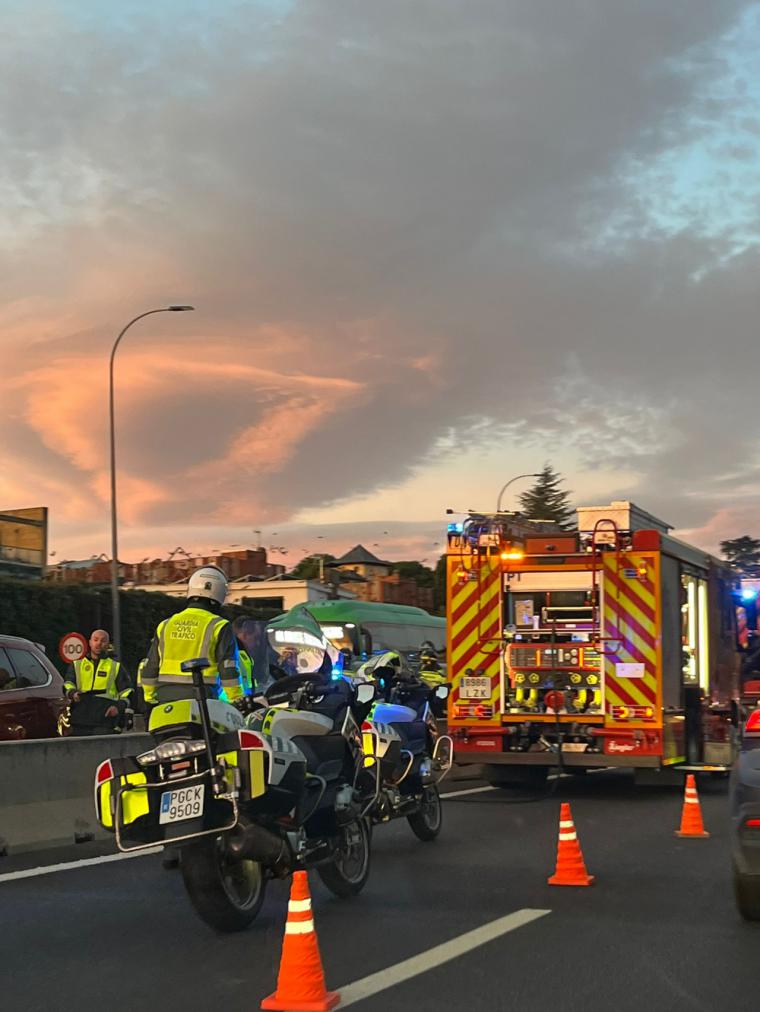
(73, 647)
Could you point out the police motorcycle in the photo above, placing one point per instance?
(404, 748)
(244, 799)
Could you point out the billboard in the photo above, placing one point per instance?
(23, 542)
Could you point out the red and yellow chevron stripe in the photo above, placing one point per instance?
(474, 630)
(631, 641)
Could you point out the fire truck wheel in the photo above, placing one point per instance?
(504, 777)
(747, 894)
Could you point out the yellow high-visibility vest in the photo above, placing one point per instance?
(100, 679)
(246, 670)
(191, 633)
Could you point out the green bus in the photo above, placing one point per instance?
(365, 628)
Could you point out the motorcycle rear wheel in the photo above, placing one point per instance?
(427, 821)
(347, 874)
(227, 894)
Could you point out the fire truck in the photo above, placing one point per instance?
(612, 645)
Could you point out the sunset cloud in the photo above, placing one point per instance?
(429, 244)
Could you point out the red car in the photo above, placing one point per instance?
(31, 692)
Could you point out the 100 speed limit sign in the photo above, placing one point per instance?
(73, 647)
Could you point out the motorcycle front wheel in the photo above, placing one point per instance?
(348, 872)
(427, 821)
(226, 893)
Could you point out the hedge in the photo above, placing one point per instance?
(44, 613)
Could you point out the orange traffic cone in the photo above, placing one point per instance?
(571, 869)
(301, 983)
(691, 814)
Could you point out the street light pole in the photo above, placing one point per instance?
(116, 616)
(510, 482)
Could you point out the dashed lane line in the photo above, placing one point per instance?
(469, 790)
(49, 869)
(439, 954)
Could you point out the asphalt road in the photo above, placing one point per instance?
(657, 931)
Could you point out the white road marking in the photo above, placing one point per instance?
(439, 954)
(470, 790)
(48, 869)
(551, 776)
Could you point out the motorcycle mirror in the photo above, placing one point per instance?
(365, 692)
(442, 692)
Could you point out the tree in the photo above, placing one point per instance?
(310, 567)
(439, 586)
(413, 570)
(743, 554)
(547, 500)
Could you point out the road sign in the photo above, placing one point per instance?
(73, 647)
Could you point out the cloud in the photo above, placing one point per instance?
(400, 223)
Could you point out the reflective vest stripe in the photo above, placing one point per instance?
(178, 679)
(161, 635)
(210, 629)
(246, 668)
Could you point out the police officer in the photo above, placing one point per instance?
(256, 655)
(198, 631)
(98, 687)
(430, 669)
(245, 661)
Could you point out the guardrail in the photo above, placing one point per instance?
(46, 789)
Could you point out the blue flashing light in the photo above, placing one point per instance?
(457, 528)
(749, 595)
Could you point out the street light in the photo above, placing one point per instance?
(116, 617)
(510, 482)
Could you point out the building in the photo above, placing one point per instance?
(372, 579)
(362, 562)
(249, 563)
(23, 542)
(277, 594)
(357, 575)
(95, 570)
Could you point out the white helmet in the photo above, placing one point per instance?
(208, 582)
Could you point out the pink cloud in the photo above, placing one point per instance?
(64, 402)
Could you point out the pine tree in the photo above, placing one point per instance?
(743, 554)
(547, 500)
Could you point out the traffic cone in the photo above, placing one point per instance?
(571, 869)
(691, 814)
(301, 982)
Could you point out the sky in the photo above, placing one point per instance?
(431, 246)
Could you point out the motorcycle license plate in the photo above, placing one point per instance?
(475, 688)
(181, 804)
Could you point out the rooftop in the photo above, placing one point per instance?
(360, 556)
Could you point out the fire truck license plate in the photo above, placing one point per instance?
(185, 803)
(475, 688)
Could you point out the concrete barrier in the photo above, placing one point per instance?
(46, 789)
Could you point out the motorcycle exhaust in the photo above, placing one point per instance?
(254, 843)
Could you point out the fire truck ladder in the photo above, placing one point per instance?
(613, 643)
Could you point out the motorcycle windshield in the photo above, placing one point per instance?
(300, 644)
